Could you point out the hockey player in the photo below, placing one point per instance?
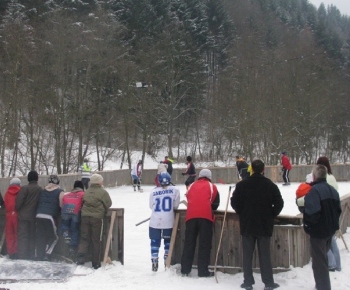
(136, 172)
(162, 200)
(286, 167)
(190, 171)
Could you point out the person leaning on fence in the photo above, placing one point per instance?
(162, 201)
(26, 204)
(257, 201)
(11, 217)
(322, 210)
(47, 213)
(71, 203)
(96, 202)
(202, 198)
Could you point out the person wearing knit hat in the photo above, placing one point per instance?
(70, 216)
(96, 179)
(202, 198)
(47, 212)
(26, 205)
(11, 217)
(96, 202)
(190, 171)
(16, 181)
(33, 176)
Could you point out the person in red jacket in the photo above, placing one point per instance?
(286, 167)
(202, 198)
(11, 217)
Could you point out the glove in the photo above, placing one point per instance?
(183, 173)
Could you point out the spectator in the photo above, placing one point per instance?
(162, 201)
(26, 204)
(11, 226)
(71, 214)
(96, 202)
(47, 213)
(257, 201)
(334, 261)
(136, 173)
(190, 171)
(202, 197)
(85, 170)
(321, 220)
(286, 167)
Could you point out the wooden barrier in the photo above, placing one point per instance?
(228, 174)
(289, 243)
(116, 251)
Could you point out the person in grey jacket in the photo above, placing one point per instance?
(96, 202)
(26, 204)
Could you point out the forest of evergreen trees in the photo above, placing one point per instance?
(207, 78)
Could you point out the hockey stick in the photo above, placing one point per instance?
(222, 231)
(109, 238)
(2, 241)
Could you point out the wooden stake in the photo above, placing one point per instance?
(172, 240)
(222, 231)
(109, 238)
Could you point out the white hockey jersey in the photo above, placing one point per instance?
(163, 201)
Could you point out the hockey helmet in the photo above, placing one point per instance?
(164, 178)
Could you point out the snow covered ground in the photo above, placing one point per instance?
(136, 272)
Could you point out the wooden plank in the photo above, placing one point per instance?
(109, 238)
(172, 240)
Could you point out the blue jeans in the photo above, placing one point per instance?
(71, 224)
(334, 256)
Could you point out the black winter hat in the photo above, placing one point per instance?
(79, 184)
(33, 176)
(189, 158)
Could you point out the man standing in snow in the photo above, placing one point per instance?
(136, 172)
(26, 203)
(286, 167)
(202, 197)
(322, 210)
(162, 200)
(96, 202)
(257, 201)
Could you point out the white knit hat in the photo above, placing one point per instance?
(205, 173)
(96, 179)
(15, 180)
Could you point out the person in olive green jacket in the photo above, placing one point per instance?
(96, 203)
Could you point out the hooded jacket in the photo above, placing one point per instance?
(96, 202)
(10, 198)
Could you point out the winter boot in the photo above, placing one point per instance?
(154, 265)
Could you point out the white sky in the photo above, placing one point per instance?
(342, 5)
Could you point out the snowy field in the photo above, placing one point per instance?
(136, 273)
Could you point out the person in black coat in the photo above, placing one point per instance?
(257, 201)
